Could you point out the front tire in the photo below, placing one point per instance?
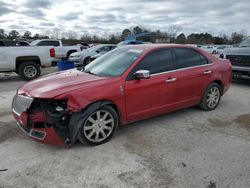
(29, 70)
(99, 126)
(86, 61)
(211, 97)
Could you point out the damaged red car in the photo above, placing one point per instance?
(125, 85)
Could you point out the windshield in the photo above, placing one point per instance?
(35, 42)
(113, 63)
(94, 48)
(245, 43)
(121, 43)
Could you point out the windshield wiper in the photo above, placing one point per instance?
(88, 71)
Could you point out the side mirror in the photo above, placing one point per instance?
(98, 51)
(142, 74)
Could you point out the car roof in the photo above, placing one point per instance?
(99, 45)
(149, 47)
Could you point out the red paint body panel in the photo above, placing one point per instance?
(148, 97)
(51, 137)
(135, 99)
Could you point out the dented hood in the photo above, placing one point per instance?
(60, 83)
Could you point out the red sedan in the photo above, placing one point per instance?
(125, 85)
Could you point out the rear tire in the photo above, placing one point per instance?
(99, 126)
(211, 97)
(69, 53)
(29, 70)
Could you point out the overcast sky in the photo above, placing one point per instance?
(103, 17)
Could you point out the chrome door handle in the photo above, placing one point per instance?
(171, 80)
(207, 72)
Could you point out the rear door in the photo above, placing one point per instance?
(148, 97)
(193, 74)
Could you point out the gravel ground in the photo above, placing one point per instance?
(189, 148)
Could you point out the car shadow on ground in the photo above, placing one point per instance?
(10, 77)
(157, 120)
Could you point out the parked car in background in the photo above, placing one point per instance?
(23, 43)
(83, 58)
(93, 57)
(13, 43)
(125, 85)
(220, 49)
(130, 42)
(209, 49)
(240, 59)
(61, 50)
(26, 61)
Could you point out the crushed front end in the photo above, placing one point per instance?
(44, 120)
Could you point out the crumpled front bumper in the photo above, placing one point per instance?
(46, 135)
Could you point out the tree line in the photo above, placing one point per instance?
(173, 35)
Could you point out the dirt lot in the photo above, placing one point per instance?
(189, 148)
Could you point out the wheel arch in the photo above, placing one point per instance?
(74, 124)
(70, 52)
(22, 59)
(85, 59)
(220, 83)
(104, 102)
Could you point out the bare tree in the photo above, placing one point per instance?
(55, 34)
(70, 35)
(2, 34)
(173, 30)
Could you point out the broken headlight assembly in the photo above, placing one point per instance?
(49, 112)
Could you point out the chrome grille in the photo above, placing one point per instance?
(21, 104)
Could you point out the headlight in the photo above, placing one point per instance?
(76, 56)
(52, 106)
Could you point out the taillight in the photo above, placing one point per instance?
(52, 52)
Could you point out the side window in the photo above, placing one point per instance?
(156, 62)
(204, 60)
(104, 49)
(42, 43)
(188, 58)
(54, 43)
(48, 43)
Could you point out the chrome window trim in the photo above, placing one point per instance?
(176, 70)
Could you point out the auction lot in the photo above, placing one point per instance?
(188, 148)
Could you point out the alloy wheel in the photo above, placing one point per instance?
(213, 97)
(99, 126)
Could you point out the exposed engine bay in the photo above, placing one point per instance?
(47, 113)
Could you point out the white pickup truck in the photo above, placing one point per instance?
(26, 61)
(61, 50)
(240, 59)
